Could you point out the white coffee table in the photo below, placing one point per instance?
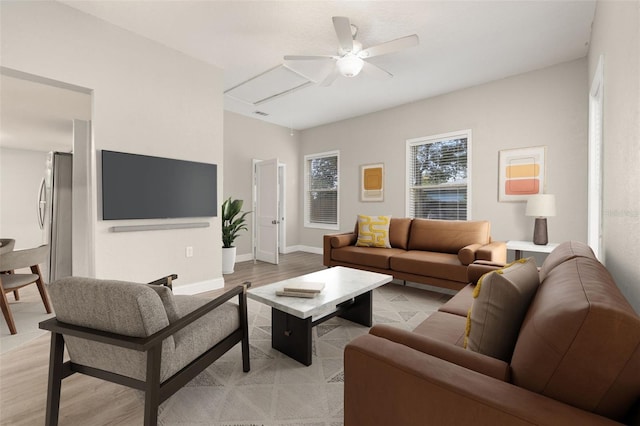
(347, 293)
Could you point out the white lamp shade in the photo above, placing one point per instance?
(541, 205)
(350, 65)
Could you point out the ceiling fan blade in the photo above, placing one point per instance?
(376, 71)
(308, 57)
(390, 46)
(343, 31)
(329, 79)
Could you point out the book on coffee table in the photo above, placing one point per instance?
(304, 287)
(301, 289)
(304, 294)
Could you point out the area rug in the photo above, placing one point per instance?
(281, 391)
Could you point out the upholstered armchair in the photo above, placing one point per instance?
(139, 335)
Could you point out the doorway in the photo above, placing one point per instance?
(269, 206)
(41, 115)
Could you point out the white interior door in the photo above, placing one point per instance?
(266, 211)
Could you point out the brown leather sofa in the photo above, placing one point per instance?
(576, 360)
(434, 252)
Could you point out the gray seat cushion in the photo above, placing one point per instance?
(10, 281)
(136, 310)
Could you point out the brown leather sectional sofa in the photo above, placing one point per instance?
(576, 360)
(434, 252)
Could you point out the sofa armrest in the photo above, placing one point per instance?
(481, 267)
(467, 254)
(495, 251)
(388, 383)
(475, 361)
(330, 241)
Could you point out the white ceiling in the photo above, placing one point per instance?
(462, 44)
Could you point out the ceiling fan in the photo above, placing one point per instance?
(351, 57)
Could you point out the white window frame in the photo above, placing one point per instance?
(307, 221)
(461, 134)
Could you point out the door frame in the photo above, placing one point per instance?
(595, 203)
(282, 233)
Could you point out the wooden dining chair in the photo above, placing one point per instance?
(10, 280)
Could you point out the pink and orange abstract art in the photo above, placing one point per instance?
(521, 173)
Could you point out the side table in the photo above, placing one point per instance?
(522, 246)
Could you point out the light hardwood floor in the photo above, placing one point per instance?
(89, 401)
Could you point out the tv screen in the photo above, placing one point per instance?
(144, 187)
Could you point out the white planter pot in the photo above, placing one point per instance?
(228, 260)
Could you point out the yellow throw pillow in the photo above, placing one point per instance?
(373, 231)
(501, 300)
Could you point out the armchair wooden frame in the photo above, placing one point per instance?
(156, 392)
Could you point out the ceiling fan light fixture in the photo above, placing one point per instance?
(350, 65)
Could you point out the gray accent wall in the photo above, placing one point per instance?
(544, 107)
(616, 36)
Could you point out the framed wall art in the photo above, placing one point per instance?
(521, 173)
(372, 182)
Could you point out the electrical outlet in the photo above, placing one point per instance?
(188, 251)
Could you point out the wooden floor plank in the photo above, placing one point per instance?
(86, 400)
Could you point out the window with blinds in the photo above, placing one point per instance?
(437, 176)
(321, 190)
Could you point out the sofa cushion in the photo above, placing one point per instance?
(203, 333)
(447, 328)
(399, 232)
(565, 251)
(460, 303)
(447, 236)
(438, 265)
(365, 256)
(580, 341)
(373, 231)
(501, 300)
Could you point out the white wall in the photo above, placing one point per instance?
(544, 107)
(246, 139)
(21, 171)
(147, 99)
(616, 35)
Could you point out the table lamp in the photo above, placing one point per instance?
(541, 206)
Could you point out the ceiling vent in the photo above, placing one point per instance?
(269, 85)
(262, 113)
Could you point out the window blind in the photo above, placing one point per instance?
(321, 189)
(437, 174)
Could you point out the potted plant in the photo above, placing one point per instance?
(233, 221)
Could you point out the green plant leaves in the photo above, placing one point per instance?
(233, 221)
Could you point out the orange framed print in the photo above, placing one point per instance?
(521, 173)
(372, 182)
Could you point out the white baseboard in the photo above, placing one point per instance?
(244, 257)
(286, 250)
(307, 249)
(199, 287)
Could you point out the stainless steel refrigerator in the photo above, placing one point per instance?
(54, 214)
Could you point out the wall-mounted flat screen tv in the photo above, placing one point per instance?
(144, 187)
